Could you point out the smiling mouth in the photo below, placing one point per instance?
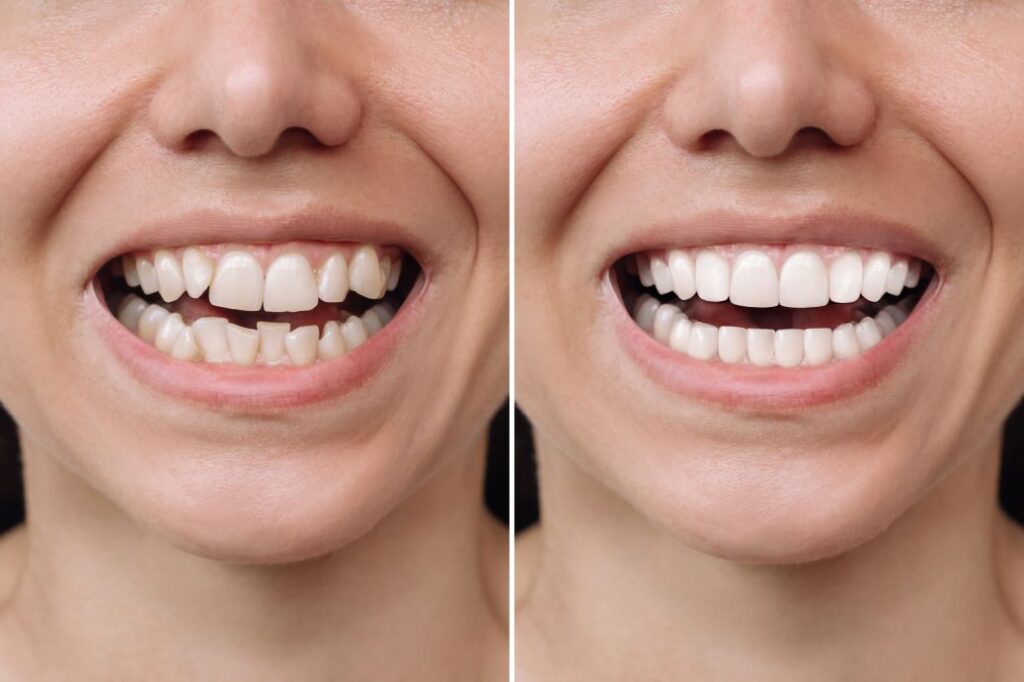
(771, 306)
(290, 304)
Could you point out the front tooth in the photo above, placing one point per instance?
(150, 322)
(679, 336)
(212, 337)
(168, 331)
(332, 279)
(395, 274)
(353, 332)
(644, 311)
(238, 282)
(789, 347)
(290, 286)
(712, 276)
(844, 342)
(660, 273)
(846, 278)
(761, 346)
(913, 273)
(885, 323)
(169, 275)
(130, 311)
(185, 346)
(663, 320)
(365, 276)
(301, 344)
(198, 271)
(272, 340)
(371, 322)
(732, 344)
(680, 264)
(803, 281)
(147, 275)
(817, 346)
(331, 344)
(755, 283)
(244, 344)
(643, 270)
(131, 275)
(897, 277)
(868, 333)
(703, 343)
(876, 272)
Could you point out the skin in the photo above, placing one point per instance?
(690, 540)
(306, 543)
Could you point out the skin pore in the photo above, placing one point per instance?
(689, 539)
(343, 535)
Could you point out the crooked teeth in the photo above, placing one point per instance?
(237, 282)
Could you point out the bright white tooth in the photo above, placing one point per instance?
(876, 272)
(290, 286)
(185, 346)
(803, 281)
(331, 344)
(664, 316)
(301, 344)
(684, 281)
(644, 312)
(711, 273)
(353, 331)
(167, 332)
(150, 321)
(913, 273)
(761, 346)
(332, 279)
(703, 343)
(371, 322)
(885, 323)
(131, 275)
(169, 275)
(130, 311)
(147, 275)
(244, 344)
(868, 333)
(897, 277)
(643, 269)
(212, 337)
(846, 278)
(238, 282)
(198, 271)
(679, 335)
(789, 347)
(383, 311)
(817, 346)
(365, 275)
(272, 335)
(660, 273)
(755, 283)
(896, 313)
(844, 342)
(732, 344)
(395, 274)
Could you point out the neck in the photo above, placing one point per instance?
(104, 598)
(924, 600)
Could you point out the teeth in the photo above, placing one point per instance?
(789, 347)
(169, 276)
(167, 332)
(332, 279)
(644, 314)
(353, 332)
(886, 323)
(147, 276)
(197, 270)
(331, 344)
(238, 282)
(243, 343)
(755, 284)
(703, 341)
(365, 274)
(131, 275)
(732, 344)
(761, 346)
(876, 273)
(846, 278)
(371, 322)
(301, 345)
(684, 280)
(150, 322)
(664, 317)
(290, 285)
(712, 275)
(804, 281)
(395, 274)
(897, 277)
(868, 333)
(660, 273)
(185, 346)
(272, 348)
(643, 269)
(212, 337)
(679, 337)
(844, 342)
(130, 312)
(817, 346)
(913, 273)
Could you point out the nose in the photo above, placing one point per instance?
(764, 78)
(246, 72)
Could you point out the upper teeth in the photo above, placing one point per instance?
(236, 279)
(757, 278)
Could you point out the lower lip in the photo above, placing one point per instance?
(771, 389)
(251, 389)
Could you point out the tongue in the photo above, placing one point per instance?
(192, 309)
(729, 315)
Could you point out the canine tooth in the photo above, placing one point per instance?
(365, 276)
(150, 322)
(237, 282)
(371, 322)
(243, 343)
(185, 347)
(131, 275)
(703, 343)
(913, 273)
(660, 273)
(643, 270)
(684, 281)
(331, 345)
(846, 278)
(395, 274)
(761, 346)
(147, 275)
(732, 344)
(168, 275)
(168, 331)
(198, 271)
(803, 281)
(844, 342)
(644, 312)
(897, 277)
(868, 333)
(272, 340)
(212, 338)
(754, 283)
(789, 347)
(876, 272)
(353, 331)
(711, 273)
(290, 285)
(817, 346)
(679, 335)
(664, 316)
(885, 323)
(332, 279)
(301, 344)
(898, 315)
(130, 311)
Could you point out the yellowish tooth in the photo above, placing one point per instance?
(353, 331)
(331, 344)
(244, 344)
(198, 271)
(169, 275)
(131, 275)
(272, 349)
(130, 312)
(212, 336)
(301, 345)
(365, 274)
(167, 332)
(185, 347)
(147, 276)
(332, 279)
(290, 285)
(238, 282)
(395, 273)
(150, 321)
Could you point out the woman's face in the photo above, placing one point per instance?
(267, 158)
(775, 167)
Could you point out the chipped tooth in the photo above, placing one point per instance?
(664, 317)
(679, 335)
(331, 345)
(185, 347)
(332, 279)
(290, 285)
(243, 343)
(150, 322)
(660, 273)
(885, 323)
(371, 322)
(803, 281)
(272, 349)
(130, 311)
(868, 333)
(844, 342)
(395, 274)
(703, 343)
(168, 275)
(644, 312)
(238, 282)
(197, 270)
(789, 347)
(846, 278)
(147, 276)
(301, 344)
(353, 332)
(131, 275)
(732, 344)
(365, 275)
(897, 277)
(876, 272)
(643, 269)
(684, 281)
(754, 282)
(913, 273)
(168, 331)
(761, 346)
(212, 337)
(817, 346)
(711, 273)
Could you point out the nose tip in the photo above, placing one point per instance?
(766, 114)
